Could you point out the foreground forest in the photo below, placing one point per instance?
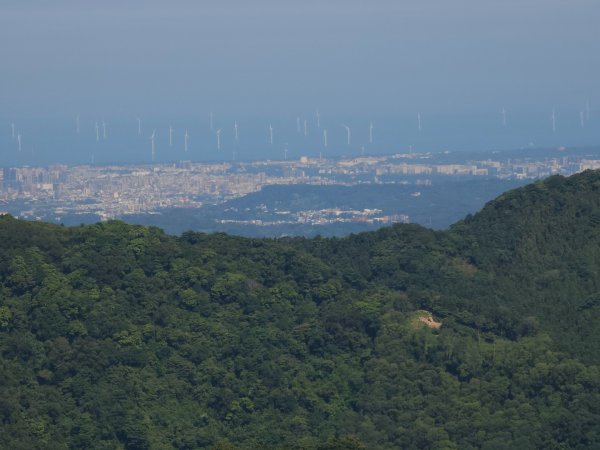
(120, 336)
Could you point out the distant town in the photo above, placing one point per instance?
(115, 191)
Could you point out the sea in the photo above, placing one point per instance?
(85, 138)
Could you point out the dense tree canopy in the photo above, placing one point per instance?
(120, 336)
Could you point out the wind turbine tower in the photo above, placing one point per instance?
(347, 132)
(139, 126)
(186, 138)
(19, 141)
(371, 133)
(285, 151)
(553, 117)
(237, 136)
(325, 137)
(219, 139)
(419, 121)
(270, 134)
(103, 130)
(97, 132)
(153, 141)
(170, 136)
(318, 119)
(587, 110)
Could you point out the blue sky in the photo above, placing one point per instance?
(437, 55)
(267, 58)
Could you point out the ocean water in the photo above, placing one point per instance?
(52, 140)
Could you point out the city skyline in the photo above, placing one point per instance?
(111, 191)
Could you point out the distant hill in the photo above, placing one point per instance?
(541, 246)
(484, 336)
(436, 206)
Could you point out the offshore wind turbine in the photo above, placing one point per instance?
(305, 128)
(97, 132)
(318, 119)
(325, 137)
(270, 134)
(553, 117)
(285, 151)
(347, 132)
(139, 121)
(19, 141)
(503, 112)
(218, 139)
(371, 133)
(419, 121)
(186, 137)
(235, 127)
(170, 136)
(152, 140)
(587, 110)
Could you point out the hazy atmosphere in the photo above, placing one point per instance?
(317, 225)
(429, 75)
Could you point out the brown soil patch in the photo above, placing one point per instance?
(426, 318)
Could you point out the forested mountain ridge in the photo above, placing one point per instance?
(541, 246)
(120, 336)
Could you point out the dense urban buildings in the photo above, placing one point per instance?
(116, 191)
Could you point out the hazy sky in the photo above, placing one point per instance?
(273, 57)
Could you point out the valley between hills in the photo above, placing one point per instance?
(482, 336)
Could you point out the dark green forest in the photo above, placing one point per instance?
(121, 336)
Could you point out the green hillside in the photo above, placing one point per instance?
(485, 336)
